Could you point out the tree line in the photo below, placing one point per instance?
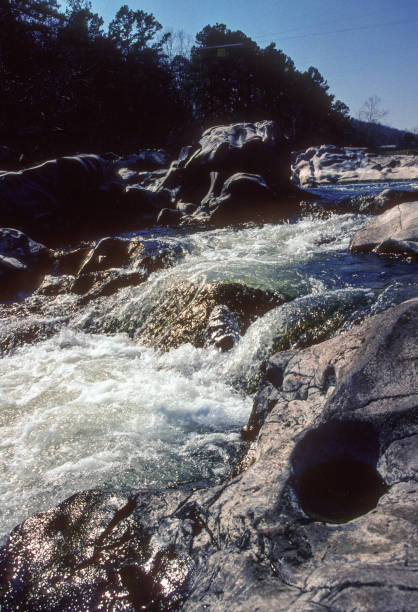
(68, 84)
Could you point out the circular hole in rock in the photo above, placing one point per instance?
(335, 474)
(340, 490)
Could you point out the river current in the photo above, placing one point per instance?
(81, 410)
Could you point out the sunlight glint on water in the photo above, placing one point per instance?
(82, 410)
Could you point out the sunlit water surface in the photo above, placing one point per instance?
(82, 410)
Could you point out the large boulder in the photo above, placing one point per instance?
(56, 197)
(70, 198)
(321, 516)
(258, 148)
(232, 161)
(107, 266)
(247, 197)
(395, 232)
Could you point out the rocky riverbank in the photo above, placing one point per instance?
(323, 512)
(331, 164)
(320, 507)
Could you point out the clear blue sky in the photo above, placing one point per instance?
(362, 47)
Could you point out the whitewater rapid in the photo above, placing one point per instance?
(82, 409)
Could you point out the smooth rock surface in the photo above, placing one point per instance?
(393, 232)
(344, 411)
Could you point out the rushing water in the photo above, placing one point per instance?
(82, 409)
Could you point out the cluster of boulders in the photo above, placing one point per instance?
(235, 173)
(331, 164)
(322, 512)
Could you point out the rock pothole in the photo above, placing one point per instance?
(335, 475)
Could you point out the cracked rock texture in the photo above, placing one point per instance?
(343, 412)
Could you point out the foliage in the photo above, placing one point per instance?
(66, 84)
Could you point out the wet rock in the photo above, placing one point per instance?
(56, 285)
(183, 315)
(34, 319)
(375, 205)
(223, 329)
(324, 516)
(393, 232)
(103, 283)
(124, 561)
(112, 252)
(23, 263)
(110, 265)
(69, 261)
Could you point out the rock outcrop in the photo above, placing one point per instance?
(58, 198)
(394, 232)
(108, 265)
(331, 164)
(237, 173)
(323, 516)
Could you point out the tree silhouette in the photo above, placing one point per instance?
(66, 84)
(371, 111)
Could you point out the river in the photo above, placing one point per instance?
(82, 409)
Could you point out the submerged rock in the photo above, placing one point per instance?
(184, 314)
(394, 232)
(323, 516)
(223, 329)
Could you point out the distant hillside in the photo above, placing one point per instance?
(376, 134)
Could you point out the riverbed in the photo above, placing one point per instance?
(82, 409)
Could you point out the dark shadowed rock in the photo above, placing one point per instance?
(58, 197)
(247, 197)
(169, 216)
(258, 148)
(110, 265)
(23, 263)
(235, 165)
(324, 516)
(111, 252)
(393, 232)
(10, 159)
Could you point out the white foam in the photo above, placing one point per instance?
(80, 410)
